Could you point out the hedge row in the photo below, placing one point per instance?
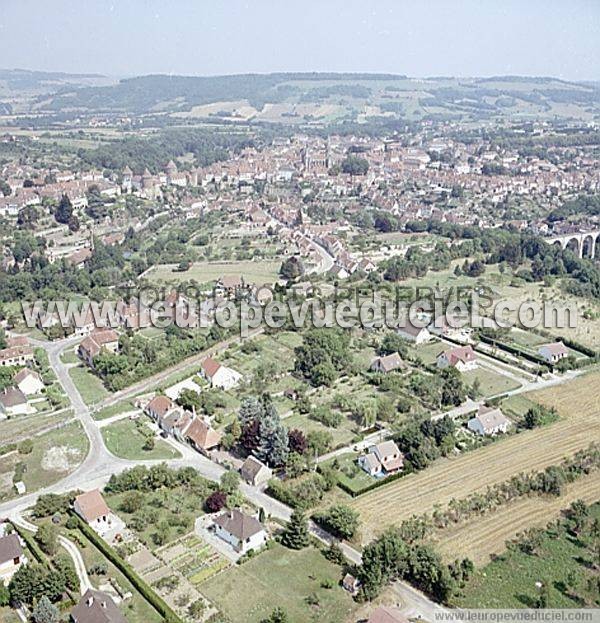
(32, 545)
(516, 350)
(145, 590)
(374, 485)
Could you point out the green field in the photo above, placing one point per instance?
(284, 578)
(350, 474)
(125, 440)
(491, 383)
(510, 580)
(259, 272)
(106, 412)
(54, 455)
(88, 384)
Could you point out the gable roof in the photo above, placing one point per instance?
(491, 418)
(238, 524)
(22, 374)
(96, 607)
(10, 548)
(202, 434)
(210, 366)
(390, 362)
(460, 353)
(12, 396)
(252, 466)
(92, 505)
(160, 405)
(554, 348)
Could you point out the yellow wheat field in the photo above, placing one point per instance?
(482, 536)
(579, 407)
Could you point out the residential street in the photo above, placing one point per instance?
(100, 464)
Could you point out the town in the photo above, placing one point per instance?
(158, 463)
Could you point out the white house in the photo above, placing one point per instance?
(489, 421)
(218, 375)
(11, 557)
(417, 335)
(462, 358)
(241, 531)
(382, 459)
(14, 402)
(255, 472)
(92, 508)
(553, 352)
(29, 382)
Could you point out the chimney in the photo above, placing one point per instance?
(90, 601)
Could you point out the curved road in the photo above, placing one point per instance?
(100, 464)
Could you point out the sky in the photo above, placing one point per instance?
(558, 38)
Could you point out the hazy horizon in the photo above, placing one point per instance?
(463, 39)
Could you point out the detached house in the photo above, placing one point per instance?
(553, 352)
(417, 335)
(96, 607)
(218, 375)
(255, 472)
(14, 402)
(92, 508)
(11, 557)
(241, 531)
(462, 358)
(382, 459)
(29, 381)
(388, 363)
(95, 342)
(489, 421)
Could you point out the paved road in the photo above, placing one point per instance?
(100, 464)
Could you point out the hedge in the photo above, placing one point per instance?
(32, 545)
(374, 485)
(145, 590)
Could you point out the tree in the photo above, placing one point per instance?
(230, 481)
(216, 501)
(45, 612)
(64, 210)
(296, 534)
(341, 520)
(323, 374)
(47, 537)
(297, 441)
(4, 596)
(453, 391)
(292, 268)
(279, 615)
(272, 445)
(354, 165)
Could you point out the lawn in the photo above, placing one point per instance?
(510, 581)
(27, 426)
(107, 412)
(69, 356)
(258, 272)
(350, 474)
(284, 578)
(491, 383)
(341, 436)
(88, 384)
(126, 439)
(54, 455)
